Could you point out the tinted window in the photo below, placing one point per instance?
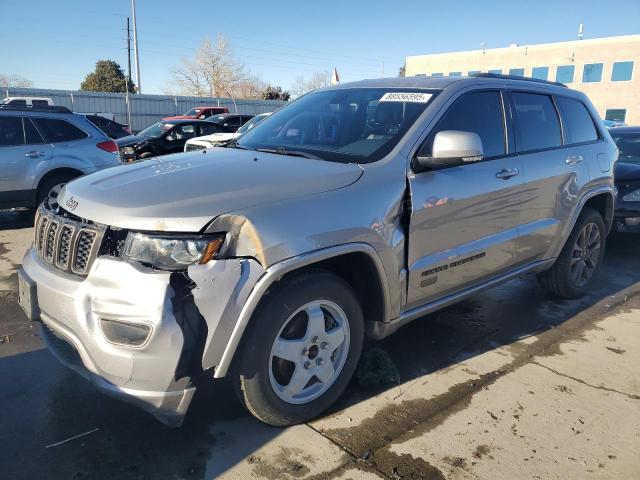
(473, 72)
(478, 112)
(184, 132)
(629, 146)
(622, 71)
(31, 135)
(19, 103)
(208, 129)
(455, 74)
(564, 73)
(517, 72)
(592, 73)
(497, 71)
(616, 114)
(541, 73)
(436, 74)
(55, 130)
(538, 126)
(39, 103)
(11, 132)
(578, 125)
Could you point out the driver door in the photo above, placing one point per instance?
(178, 136)
(465, 218)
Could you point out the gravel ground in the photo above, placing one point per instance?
(508, 384)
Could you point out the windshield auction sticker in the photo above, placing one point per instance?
(406, 97)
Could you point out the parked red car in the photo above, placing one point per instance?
(199, 113)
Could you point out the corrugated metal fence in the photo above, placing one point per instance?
(145, 109)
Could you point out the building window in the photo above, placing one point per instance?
(473, 72)
(622, 71)
(616, 114)
(421, 74)
(592, 73)
(516, 72)
(497, 71)
(541, 73)
(565, 73)
(455, 74)
(436, 75)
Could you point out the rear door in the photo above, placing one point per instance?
(465, 219)
(23, 154)
(555, 166)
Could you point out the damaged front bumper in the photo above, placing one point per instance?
(189, 317)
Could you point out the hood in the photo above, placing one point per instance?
(184, 192)
(129, 140)
(626, 172)
(217, 137)
(180, 117)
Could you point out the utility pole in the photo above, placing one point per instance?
(128, 80)
(135, 45)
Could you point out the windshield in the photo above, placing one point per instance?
(349, 125)
(156, 130)
(252, 123)
(629, 146)
(194, 112)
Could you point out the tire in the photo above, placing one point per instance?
(562, 278)
(50, 187)
(261, 374)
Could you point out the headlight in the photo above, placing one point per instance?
(172, 252)
(128, 150)
(632, 196)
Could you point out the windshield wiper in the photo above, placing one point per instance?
(284, 151)
(233, 143)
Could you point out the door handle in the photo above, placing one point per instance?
(34, 154)
(507, 173)
(573, 159)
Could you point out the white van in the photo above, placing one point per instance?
(27, 101)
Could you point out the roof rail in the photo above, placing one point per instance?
(30, 108)
(515, 77)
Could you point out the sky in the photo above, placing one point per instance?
(56, 43)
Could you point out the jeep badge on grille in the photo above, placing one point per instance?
(71, 203)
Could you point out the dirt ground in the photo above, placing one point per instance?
(510, 384)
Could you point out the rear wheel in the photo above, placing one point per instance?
(302, 349)
(49, 189)
(574, 270)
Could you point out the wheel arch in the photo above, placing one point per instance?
(345, 261)
(52, 173)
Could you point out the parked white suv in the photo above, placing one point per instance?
(216, 139)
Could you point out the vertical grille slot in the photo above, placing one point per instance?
(50, 241)
(40, 234)
(83, 251)
(64, 247)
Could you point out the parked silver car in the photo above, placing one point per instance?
(350, 212)
(42, 148)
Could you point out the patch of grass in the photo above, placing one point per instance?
(377, 369)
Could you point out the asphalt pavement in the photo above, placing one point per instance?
(509, 384)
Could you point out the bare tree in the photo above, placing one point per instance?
(12, 80)
(213, 71)
(318, 80)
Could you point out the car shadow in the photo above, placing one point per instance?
(16, 218)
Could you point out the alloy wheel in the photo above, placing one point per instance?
(309, 352)
(586, 254)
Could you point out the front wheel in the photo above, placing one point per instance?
(575, 269)
(302, 349)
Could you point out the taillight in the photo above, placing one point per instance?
(108, 146)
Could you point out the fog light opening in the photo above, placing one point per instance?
(632, 221)
(124, 333)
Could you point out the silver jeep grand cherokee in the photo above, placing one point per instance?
(350, 212)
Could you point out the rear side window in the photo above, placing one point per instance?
(31, 135)
(477, 112)
(578, 125)
(538, 126)
(11, 132)
(56, 131)
(39, 103)
(19, 103)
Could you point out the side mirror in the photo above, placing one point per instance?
(169, 138)
(451, 148)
